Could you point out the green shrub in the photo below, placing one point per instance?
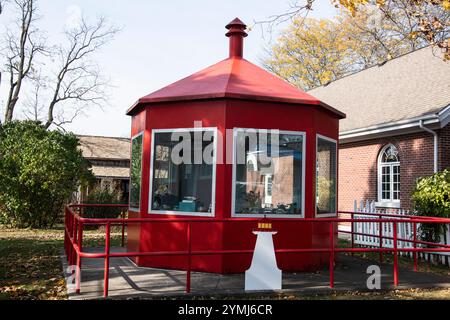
(431, 197)
(39, 170)
(99, 196)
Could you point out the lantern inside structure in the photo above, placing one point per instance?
(230, 106)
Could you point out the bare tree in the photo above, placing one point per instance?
(33, 106)
(427, 19)
(22, 47)
(79, 79)
(2, 5)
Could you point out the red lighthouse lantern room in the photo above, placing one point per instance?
(232, 117)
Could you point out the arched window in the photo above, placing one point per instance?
(389, 174)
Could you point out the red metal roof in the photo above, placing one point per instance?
(235, 78)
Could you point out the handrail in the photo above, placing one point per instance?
(388, 215)
(74, 224)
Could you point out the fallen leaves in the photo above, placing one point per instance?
(30, 264)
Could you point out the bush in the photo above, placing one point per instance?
(431, 197)
(99, 196)
(39, 170)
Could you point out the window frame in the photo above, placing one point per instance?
(330, 214)
(214, 167)
(389, 203)
(130, 208)
(233, 192)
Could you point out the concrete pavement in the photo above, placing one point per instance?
(128, 281)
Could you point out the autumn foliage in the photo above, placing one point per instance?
(311, 52)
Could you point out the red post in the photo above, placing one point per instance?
(107, 251)
(381, 238)
(80, 248)
(123, 230)
(353, 230)
(395, 256)
(74, 237)
(188, 273)
(75, 232)
(415, 246)
(71, 237)
(331, 255)
(65, 231)
(69, 232)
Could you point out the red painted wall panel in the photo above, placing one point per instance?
(134, 231)
(228, 115)
(172, 236)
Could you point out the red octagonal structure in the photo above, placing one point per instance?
(231, 106)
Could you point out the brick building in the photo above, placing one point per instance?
(397, 128)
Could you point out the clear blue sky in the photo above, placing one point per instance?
(161, 42)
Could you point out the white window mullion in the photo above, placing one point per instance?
(389, 159)
(391, 182)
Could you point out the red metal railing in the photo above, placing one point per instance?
(74, 224)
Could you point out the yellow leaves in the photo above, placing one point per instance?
(313, 52)
(413, 35)
(309, 53)
(352, 5)
(446, 4)
(326, 76)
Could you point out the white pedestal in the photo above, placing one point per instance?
(263, 274)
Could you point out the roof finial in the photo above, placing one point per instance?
(236, 34)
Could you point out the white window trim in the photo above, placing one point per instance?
(213, 194)
(130, 208)
(233, 193)
(387, 203)
(331, 214)
(268, 198)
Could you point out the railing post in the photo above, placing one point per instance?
(331, 255)
(381, 237)
(80, 249)
(395, 255)
(74, 235)
(65, 231)
(69, 243)
(123, 230)
(107, 251)
(189, 267)
(353, 231)
(415, 246)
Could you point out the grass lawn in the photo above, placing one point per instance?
(30, 265)
(30, 268)
(403, 262)
(412, 294)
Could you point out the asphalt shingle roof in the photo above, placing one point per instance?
(111, 172)
(105, 148)
(407, 87)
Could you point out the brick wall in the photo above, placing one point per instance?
(444, 148)
(358, 166)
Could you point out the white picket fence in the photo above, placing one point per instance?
(370, 231)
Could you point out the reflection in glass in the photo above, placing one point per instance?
(186, 186)
(136, 172)
(270, 179)
(326, 176)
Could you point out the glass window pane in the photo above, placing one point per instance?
(269, 173)
(326, 176)
(136, 172)
(390, 154)
(182, 178)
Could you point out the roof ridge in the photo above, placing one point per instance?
(96, 136)
(230, 74)
(371, 67)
